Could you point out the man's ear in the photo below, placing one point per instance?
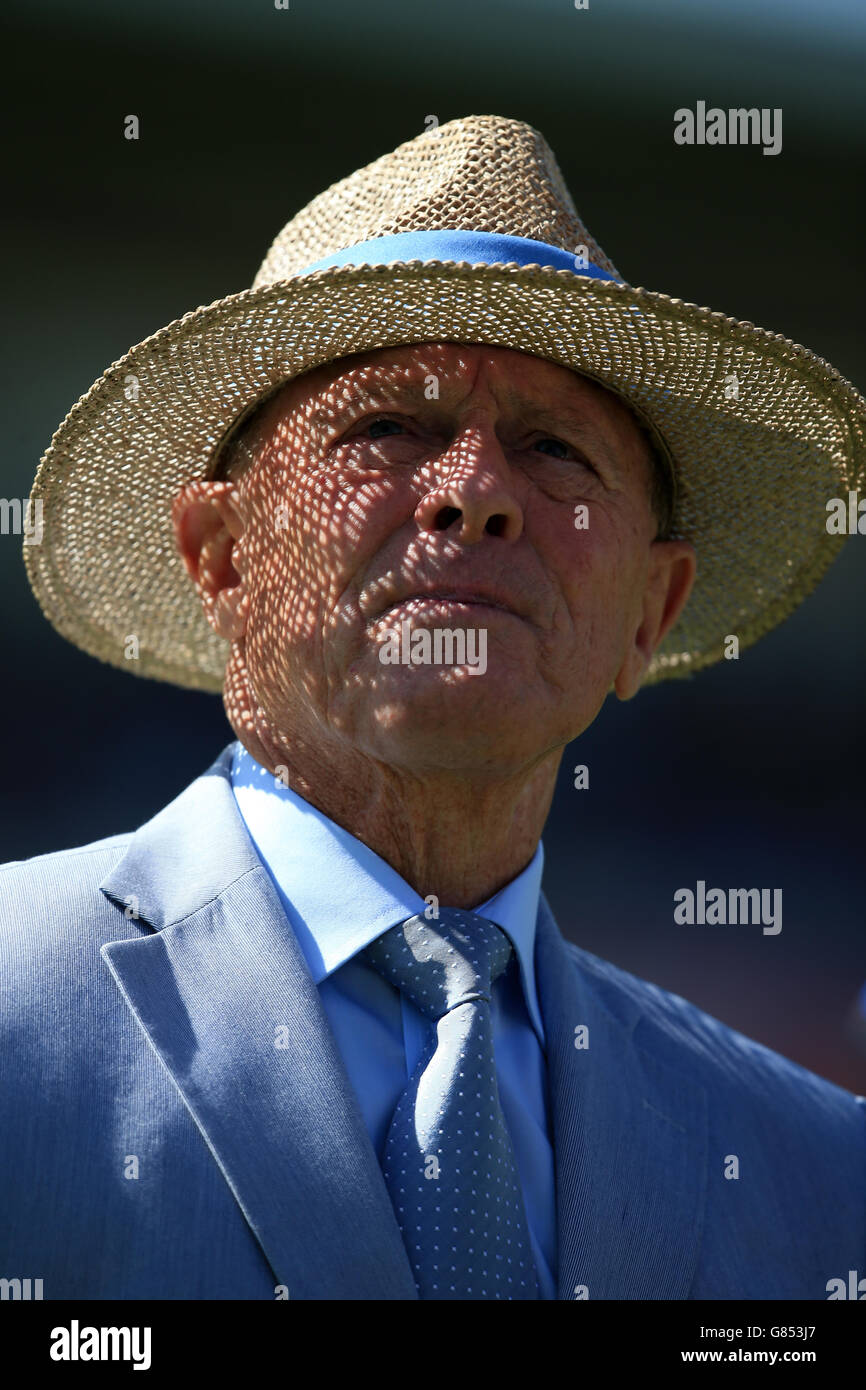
(672, 570)
(207, 524)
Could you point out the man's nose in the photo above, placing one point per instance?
(476, 494)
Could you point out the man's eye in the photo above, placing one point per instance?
(557, 448)
(547, 446)
(377, 429)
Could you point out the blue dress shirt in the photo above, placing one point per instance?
(339, 896)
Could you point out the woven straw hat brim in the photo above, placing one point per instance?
(754, 471)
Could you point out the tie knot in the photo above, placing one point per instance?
(450, 960)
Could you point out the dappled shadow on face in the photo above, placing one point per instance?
(410, 553)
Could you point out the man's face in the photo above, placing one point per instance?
(438, 485)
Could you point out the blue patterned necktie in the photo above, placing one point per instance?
(449, 1162)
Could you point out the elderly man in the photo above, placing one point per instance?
(441, 481)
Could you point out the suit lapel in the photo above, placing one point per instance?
(217, 981)
(630, 1140)
(222, 991)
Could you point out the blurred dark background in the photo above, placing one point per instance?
(751, 774)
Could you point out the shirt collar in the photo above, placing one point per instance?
(339, 895)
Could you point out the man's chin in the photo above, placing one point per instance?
(449, 717)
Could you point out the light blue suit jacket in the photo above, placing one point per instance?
(146, 1045)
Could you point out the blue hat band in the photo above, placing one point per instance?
(486, 247)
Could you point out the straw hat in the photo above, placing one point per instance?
(465, 233)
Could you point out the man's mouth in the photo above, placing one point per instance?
(451, 599)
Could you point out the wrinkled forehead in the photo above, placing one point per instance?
(446, 372)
